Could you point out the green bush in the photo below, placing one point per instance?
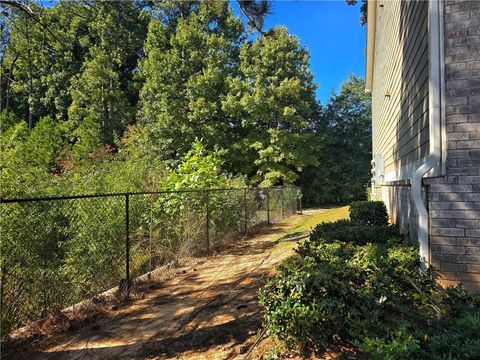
(350, 231)
(369, 212)
(334, 291)
(360, 284)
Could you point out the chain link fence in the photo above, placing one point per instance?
(61, 251)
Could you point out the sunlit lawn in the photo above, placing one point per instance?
(329, 215)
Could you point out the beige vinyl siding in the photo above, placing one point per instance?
(400, 122)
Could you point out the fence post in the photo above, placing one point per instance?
(283, 214)
(268, 206)
(207, 219)
(245, 212)
(127, 245)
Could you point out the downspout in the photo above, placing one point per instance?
(435, 103)
(371, 20)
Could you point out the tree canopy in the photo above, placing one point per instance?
(101, 95)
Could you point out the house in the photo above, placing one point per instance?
(423, 73)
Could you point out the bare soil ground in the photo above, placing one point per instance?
(209, 310)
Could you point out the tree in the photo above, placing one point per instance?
(343, 169)
(255, 11)
(105, 89)
(28, 158)
(198, 169)
(273, 100)
(189, 56)
(363, 9)
(40, 59)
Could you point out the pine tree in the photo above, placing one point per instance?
(105, 89)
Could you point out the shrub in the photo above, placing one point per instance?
(369, 212)
(334, 291)
(350, 231)
(372, 296)
(305, 305)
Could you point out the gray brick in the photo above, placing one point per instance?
(452, 180)
(452, 250)
(445, 258)
(472, 250)
(458, 171)
(472, 232)
(458, 136)
(464, 276)
(469, 180)
(472, 214)
(459, 15)
(456, 119)
(468, 259)
(443, 240)
(458, 154)
(474, 135)
(474, 153)
(448, 231)
(473, 268)
(472, 197)
(442, 223)
(467, 127)
(468, 144)
(468, 241)
(451, 188)
(473, 118)
(467, 224)
(468, 162)
(453, 267)
(447, 214)
(439, 205)
(462, 205)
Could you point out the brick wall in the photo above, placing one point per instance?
(454, 200)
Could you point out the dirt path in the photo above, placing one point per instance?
(208, 311)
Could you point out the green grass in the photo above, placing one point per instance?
(329, 215)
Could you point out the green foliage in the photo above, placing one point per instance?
(369, 212)
(88, 136)
(198, 169)
(105, 90)
(28, 160)
(343, 148)
(349, 230)
(7, 119)
(105, 97)
(363, 9)
(144, 81)
(372, 296)
(191, 51)
(274, 101)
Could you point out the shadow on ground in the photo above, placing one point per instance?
(208, 310)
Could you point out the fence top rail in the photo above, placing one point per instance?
(87, 196)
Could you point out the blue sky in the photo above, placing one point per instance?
(331, 32)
